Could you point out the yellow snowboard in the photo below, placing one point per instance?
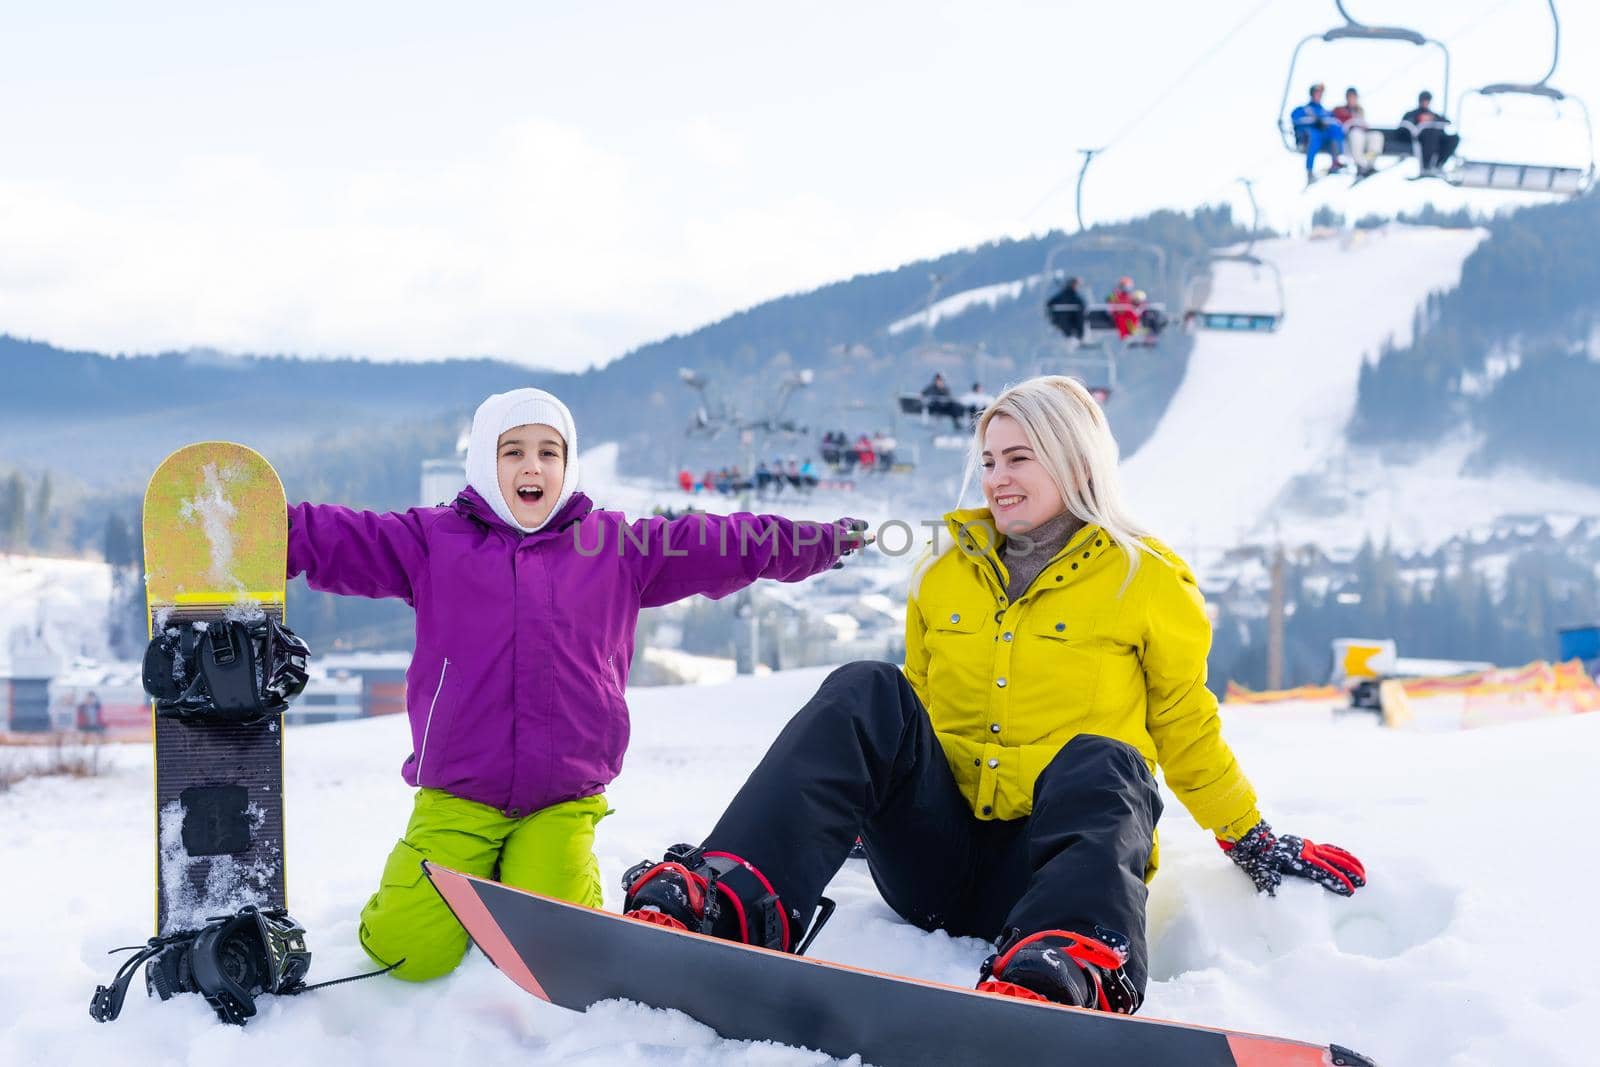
(215, 547)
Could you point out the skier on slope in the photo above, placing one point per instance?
(1002, 781)
(526, 598)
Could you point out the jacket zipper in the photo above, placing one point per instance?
(429, 724)
(616, 679)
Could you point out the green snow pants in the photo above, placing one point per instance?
(549, 852)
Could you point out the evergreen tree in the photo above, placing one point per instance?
(14, 513)
(117, 541)
(41, 512)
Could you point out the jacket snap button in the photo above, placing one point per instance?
(994, 728)
(1098, 542)
(987, 810)
(1006, 635)
(994, 763)
(1060, 626)
(977, 762)
(1086, 555)
(955, 618)
(1001, 682)
(514, 813)
(1058, 577)
(1074, 566)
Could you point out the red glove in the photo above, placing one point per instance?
(1266, 858)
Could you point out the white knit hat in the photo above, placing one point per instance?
(496, 415)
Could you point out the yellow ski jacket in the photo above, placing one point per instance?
(1007, 684)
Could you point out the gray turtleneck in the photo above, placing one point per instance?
(1026, 554)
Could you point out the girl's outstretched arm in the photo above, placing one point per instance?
(714, 555)
(357, 553)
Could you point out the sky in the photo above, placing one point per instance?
(556, 184)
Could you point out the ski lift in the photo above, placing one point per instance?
(1537, 177)
(1398, 143)
(1135, 323)
(878, 452)
(930, 411)
(1094, 365)
(1262, 313)
(1202, 313)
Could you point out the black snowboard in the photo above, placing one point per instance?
(575, 957)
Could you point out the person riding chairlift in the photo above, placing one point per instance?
(1366, 144)
(1320, 130)
(1432, 133)
(1125, 308)
(864, 453)
(883, 446)
(938, 401)
(1066, 309)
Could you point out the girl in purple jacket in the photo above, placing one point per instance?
(526, 598)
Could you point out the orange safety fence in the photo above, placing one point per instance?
(1238, 694)
(1537, 687)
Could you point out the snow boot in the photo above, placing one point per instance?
(714, 893)
(1064, 967)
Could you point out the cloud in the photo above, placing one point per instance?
(549, 246)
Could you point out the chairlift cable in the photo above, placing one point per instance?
(1128, 127)
(1171, 88)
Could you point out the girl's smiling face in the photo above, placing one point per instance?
(1019, 491)
(532, 464)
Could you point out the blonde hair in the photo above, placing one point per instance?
(1070, 437)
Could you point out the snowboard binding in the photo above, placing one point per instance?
(718, 894)
(230, 961)
(1064, 967)
(237, 671)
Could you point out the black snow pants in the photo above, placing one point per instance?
(861, 758)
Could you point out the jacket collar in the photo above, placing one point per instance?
(975, 535)
(471, 504)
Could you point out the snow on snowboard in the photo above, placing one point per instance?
(575, 957)
(215, 550)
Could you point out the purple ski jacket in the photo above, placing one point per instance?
(516, 689)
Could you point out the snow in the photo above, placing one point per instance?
(956, 303)
(215, 512)
(1252, 447)
(1469, 947)
(1422, 501)
(1256, 410)
(52, 611)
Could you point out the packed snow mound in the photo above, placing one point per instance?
(1256, 411)
(1470, 945)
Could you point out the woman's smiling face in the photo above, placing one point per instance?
(1016, 486)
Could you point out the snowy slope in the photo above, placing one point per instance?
(1256, 410)
(1470, 947)
(956, 303)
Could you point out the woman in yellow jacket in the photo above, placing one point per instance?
(1001, 782)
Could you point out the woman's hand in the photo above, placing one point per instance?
(1266, 858)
